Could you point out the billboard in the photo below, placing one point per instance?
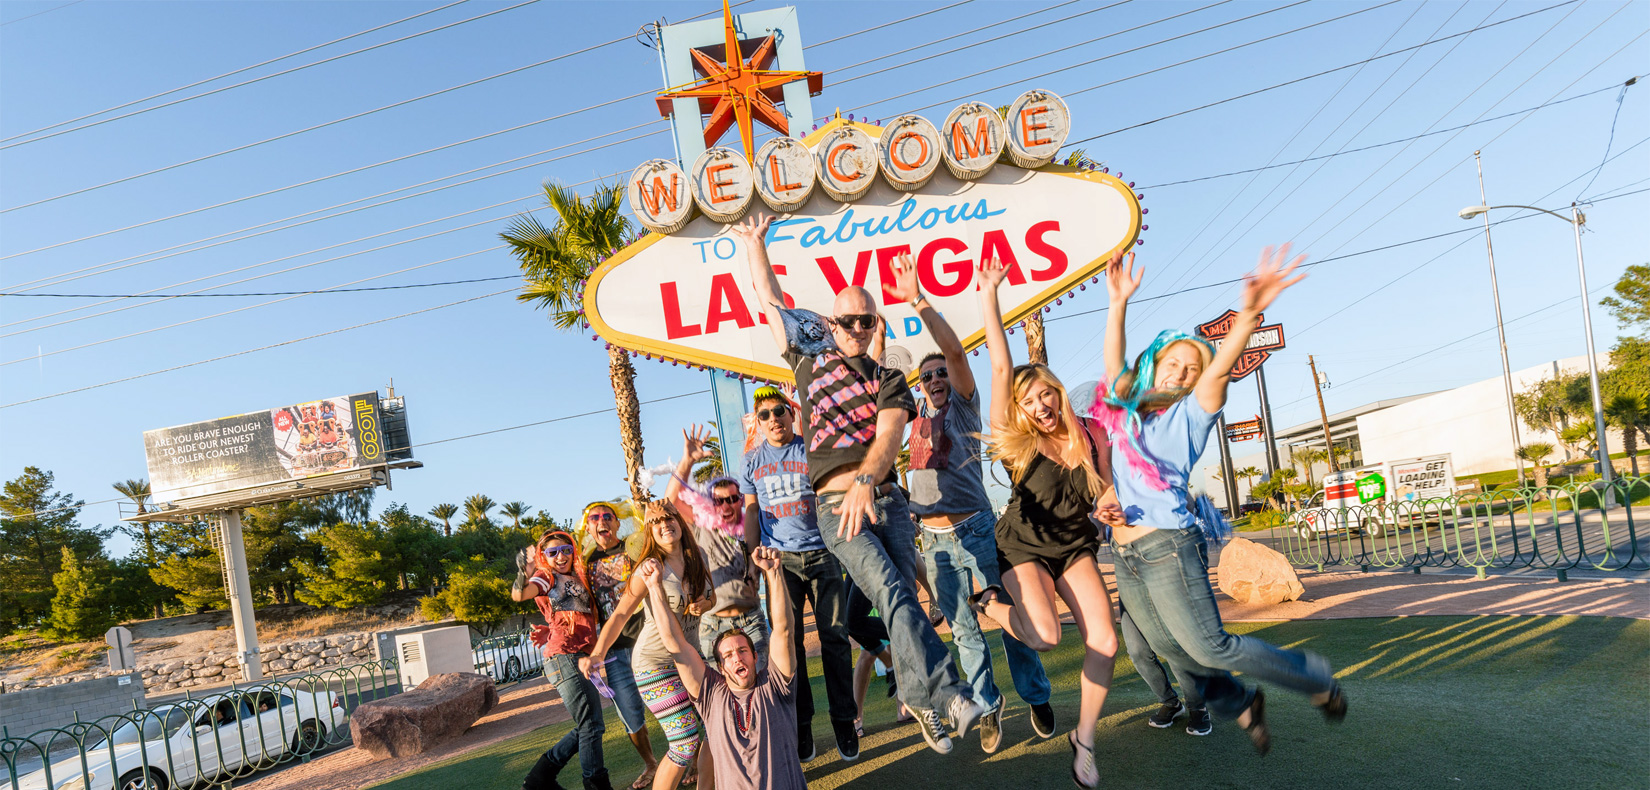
(1262, 342)
(688, 295)
(285, 444)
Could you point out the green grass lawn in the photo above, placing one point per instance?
(1457, 702)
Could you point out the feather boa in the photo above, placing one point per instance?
(704, 508)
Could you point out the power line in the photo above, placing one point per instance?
(47, 11)
(258, 65)
(255, 350)
(274, 293)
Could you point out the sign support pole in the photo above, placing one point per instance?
(1266, 423)
(729, 396)
(232, 552)
(1226, 474)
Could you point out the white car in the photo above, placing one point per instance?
(180, 744)
(508, 658)
(1317, 520)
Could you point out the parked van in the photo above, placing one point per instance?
(1380, 496)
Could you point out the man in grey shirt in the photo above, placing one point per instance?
(959, 539)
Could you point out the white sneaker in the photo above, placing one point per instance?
(964, 711)
(933, 730)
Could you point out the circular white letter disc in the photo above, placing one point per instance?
(1038, 123)
(847, 162)
(722, 184)
(660, 196)
(909, 152)
(784, 173)
(971, 139)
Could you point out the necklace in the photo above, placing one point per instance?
(744, 715)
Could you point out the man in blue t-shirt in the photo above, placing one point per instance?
(779, 512)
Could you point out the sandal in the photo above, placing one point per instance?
(977, 602)
(1259, 733)
(1334, 710)
(642, 782)
(1084, 756)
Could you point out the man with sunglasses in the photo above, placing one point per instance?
(609, 568)
(779, 514)
(959, 539)
(857, 414)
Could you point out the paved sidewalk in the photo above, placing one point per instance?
(1328, 596)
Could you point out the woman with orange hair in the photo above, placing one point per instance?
(1047, 538)
(551, 574)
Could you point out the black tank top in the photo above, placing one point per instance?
(1052, 498)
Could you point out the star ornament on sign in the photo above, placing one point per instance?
(740, 90)
(1262, 342)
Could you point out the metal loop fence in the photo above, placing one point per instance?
(1582, 526)
(214, 738)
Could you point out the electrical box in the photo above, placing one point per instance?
(433, 652)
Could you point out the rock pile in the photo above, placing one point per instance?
(213, 669)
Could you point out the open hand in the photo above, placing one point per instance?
(1269, 278)
(857, 508)
(754, 229)
(693, 443)
(992, 271)
(1121, 279)
(905, 286)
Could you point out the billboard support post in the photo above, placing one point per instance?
(1266, 423)
(728, 393)
(1226, 473)
(232, 551)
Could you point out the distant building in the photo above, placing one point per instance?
(1468, 422)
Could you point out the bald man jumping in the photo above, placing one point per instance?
(857, 410)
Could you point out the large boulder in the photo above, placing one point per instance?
(1254, 574)
(411, 722)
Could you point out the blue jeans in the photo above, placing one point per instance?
(882, 559)
(627, 698)
(1163, 581)
(1151, 670)
(584, 705)
(752, 623)
(955, 559)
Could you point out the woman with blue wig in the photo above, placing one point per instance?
(1159, 413)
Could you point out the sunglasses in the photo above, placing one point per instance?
(726, 500)
(928, 375)
(557, 551)
(774, 413)
(595, 517)
(862, 321)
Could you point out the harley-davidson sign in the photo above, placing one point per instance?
(688, 296)
(1262, 342)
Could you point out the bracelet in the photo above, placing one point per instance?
(920, 298)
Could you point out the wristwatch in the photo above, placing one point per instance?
(865, 480)
(920, 299)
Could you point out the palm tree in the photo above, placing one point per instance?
(445, 512)
(1248, 474)
(1536, 453)
(514, 511)
(555, 264)
(1632, 416)
(139, 492)
(1308, 457)
(475, 510)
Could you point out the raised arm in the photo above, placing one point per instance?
(754, 233)
(688, 663)
(907, 288)
(622, 611)
(991, 273)
(1260, 288)
(693, 451)
(780, 655)
(1121, 283)
(524, 589)
(753, 523)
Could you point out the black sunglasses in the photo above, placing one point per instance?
(775, 412)
(863, 321)
(928, 375)
(726, 500)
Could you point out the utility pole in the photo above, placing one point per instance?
(1323, 414)
(1500, 332)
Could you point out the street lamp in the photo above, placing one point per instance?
(1576, 220)
(1500, 330)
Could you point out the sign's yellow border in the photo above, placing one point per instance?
(1073, 278)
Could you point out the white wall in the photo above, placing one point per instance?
(1469, 422)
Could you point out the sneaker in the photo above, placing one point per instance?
(1197, 721)
(847, 740)
(933, 731)
(1166, 714)
(963, 712)
(1334, 711)
(991, 730)
(1042, 719)
(1259, 733)
(805, 743)
(935, 616)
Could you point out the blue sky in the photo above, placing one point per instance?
(491, 363)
